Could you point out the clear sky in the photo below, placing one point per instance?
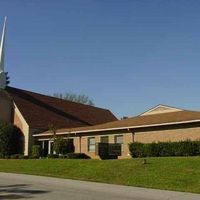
(127, 55)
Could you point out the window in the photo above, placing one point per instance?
(104, 139)
(91, 144)
(119, 140)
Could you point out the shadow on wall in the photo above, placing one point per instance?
(19, 191)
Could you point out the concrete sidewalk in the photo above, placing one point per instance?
(17, 186)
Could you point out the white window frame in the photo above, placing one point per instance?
(89, 144)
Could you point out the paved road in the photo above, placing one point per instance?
(15, 186)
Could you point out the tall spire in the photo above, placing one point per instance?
(2, 46)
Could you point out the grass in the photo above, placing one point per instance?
(170, 173)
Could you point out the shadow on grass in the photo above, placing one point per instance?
(18, 191)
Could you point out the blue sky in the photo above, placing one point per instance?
(127, 55)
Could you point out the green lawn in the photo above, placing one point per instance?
(173, 173)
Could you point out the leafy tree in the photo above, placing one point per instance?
(81, 98)
(63, 146)
(36, 151)
(7, 78)
(11, 140)
(52, 129)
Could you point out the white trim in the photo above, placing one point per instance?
(51, 139)
(117, 128)
(170, 109)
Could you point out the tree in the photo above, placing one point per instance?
(81, 98)
(52, 129)
(63, 146)
(11, 140)
(7, 79)
(36, 151)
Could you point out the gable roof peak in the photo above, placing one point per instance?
(160, 108)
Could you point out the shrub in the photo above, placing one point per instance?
(166, 149)
(36, 151)
(153, 149)
(182, 148)
(137, 149)
(11, 140)
(6, 157)
(197, 143)
(62, 156)
(24, 157)
(77, 156)
(52, 156)
(63, 146)
(17, 156)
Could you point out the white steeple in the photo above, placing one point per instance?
(2, 44)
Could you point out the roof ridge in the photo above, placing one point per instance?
(58, 98)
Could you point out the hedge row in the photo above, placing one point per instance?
(69, 156)
(161, 149)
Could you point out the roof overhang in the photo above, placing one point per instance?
(116, 128)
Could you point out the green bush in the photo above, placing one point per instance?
(63, 146)
(6, 157)
(11, 140)
(62, 156)
(18, 156)
(24, 157)
(137, 149)
(77, 156)
(36, 151)
(182, 148)
(52, 156)
(166, 149)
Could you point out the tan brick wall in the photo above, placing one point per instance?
(127, 138)
(192, 133)
(18, 121)
(146, 136)
(111, 138)
(77, 144)
(21, 123)
(84, 146)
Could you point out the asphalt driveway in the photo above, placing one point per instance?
(16, 186)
